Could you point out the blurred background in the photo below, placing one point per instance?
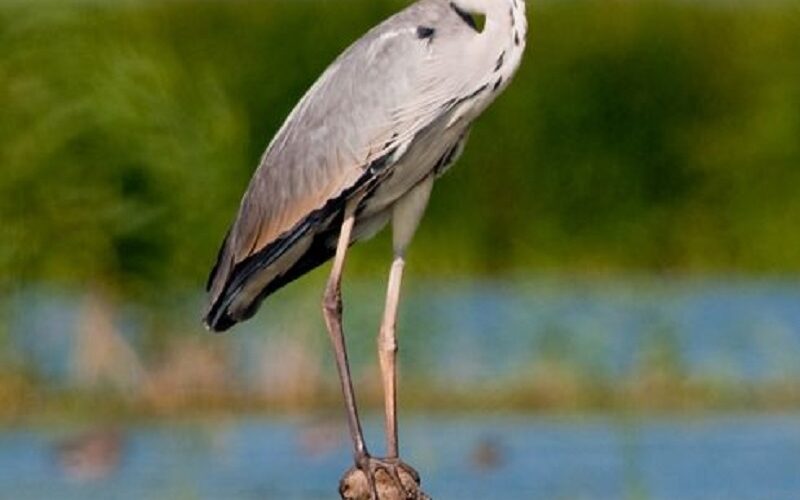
(602, 302)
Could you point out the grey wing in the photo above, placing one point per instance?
(349, 129)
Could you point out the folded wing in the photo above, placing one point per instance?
(350, 128)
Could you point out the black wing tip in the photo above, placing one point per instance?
(217, 317)
(218, 323)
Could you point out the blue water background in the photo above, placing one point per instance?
(723, 457)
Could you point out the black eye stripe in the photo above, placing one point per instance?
(465, 16)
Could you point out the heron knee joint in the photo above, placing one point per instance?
(332, 302)
(387, 343)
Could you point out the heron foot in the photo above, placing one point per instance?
(381, 479)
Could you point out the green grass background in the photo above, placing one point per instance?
(638, 136)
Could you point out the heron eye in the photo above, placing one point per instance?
(475, 20)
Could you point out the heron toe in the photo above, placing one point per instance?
(381, 479)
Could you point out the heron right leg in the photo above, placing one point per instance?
(332, 311)
(406, 216)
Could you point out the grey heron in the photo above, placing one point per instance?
(362, 148)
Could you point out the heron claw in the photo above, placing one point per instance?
(381, 479)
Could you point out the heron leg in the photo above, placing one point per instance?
(406, 216)
(387, 355)
(332, 311)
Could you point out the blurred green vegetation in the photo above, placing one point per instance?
(637, 136)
